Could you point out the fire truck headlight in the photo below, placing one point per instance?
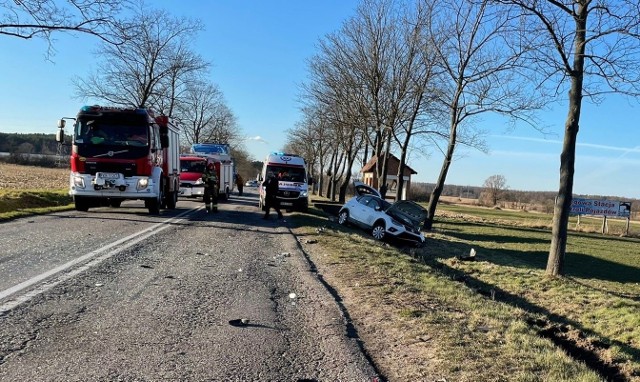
(198, 182)
(78, 182)
(142, 183)
(304, 194)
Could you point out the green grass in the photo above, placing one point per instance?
(615, 227)
(19, 203)
(501, 309)
(599, 298)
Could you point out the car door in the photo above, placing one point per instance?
(373, 211)
(359, 210)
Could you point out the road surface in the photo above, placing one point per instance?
(115, 294)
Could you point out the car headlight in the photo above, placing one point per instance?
(78, 182)
(304, 194)
(198, 182)
(142, 183)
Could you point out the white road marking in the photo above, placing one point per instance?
(91, 258)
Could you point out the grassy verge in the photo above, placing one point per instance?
(17, 203)
(616, 227)
(427, 314)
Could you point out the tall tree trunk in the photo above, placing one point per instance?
(351, 158)
(320, 179)
(377, 153)
(336, 177)
(562, 208)
(403, 158)
(437, 190)
(385, 165)
(331, 173)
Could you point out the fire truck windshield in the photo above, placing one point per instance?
(111, 131)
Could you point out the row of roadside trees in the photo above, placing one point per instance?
(417, 75)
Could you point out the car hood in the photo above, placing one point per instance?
(408, 212)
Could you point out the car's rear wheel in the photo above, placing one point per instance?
(343, 217)
(378, 231)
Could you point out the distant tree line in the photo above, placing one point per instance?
(32, 149)
(28, 143)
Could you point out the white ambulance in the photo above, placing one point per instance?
(293, 183)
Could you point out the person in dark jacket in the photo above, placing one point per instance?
(271, 196)
(240, 184)
(210, 180)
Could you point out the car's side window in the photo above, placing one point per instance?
(364, 200)
(371, 202)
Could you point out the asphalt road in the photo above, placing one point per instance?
(118, 295)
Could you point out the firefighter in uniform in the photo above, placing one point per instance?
(210, 180)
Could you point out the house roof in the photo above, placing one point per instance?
(394, 163)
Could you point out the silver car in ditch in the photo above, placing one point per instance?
(400, 221)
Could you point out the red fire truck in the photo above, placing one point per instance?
(119, 154)
(220, 155)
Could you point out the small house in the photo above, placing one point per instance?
(369, 176)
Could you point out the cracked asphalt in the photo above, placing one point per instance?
(167, 307)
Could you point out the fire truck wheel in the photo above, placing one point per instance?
(172, 199)
(81, 204)
(153, 205)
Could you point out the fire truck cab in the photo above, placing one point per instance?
(119, 154)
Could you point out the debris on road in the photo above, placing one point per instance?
(239, 322)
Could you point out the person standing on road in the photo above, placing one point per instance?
(210, 180)
(271, 196)
(239, 183)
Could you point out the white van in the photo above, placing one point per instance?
(294, 184)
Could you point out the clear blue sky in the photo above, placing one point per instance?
(259, 49)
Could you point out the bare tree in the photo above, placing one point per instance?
(367, 41)
(334, 89)
(29, 19)
(591, 48)
(494, 188)
(223, 128)
(479, 73)
(371, 77)
(414, 82)
(309, 140)
(203, 115)
(146, 72)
